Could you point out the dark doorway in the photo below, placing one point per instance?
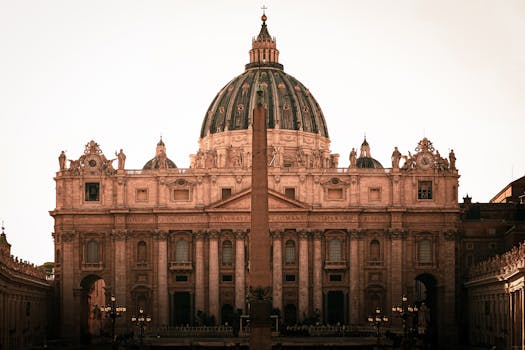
(427, 300)
(227, 314)
(335, 312)
(92, 301)
(290, 315)
(181, 308)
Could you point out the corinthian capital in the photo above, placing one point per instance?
(276, 234)
(303, 234)
(161, 234)
(240, 234)
(119, 234)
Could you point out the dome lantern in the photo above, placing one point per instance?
(264, 49)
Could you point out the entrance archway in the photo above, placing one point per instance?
(426, 297)
(92, 301)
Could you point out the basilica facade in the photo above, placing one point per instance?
(175, 242)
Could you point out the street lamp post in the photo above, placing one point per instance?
(405, 311)
(140, 321)
(377, 320)
(113, 312)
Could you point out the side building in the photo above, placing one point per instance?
(491, 261)
(175, 241)
(26, 300)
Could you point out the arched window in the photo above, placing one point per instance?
(375, 253)
(141, 251)
(92, 252)
(182, 251)
(289, 252)
(424, 251)
(334, 250)
(227, 253)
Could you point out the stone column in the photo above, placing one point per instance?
(277, 272)
(199, 272)
(355, 262)
(162, 278)
(396, 266)
(303, 275)
(240, 275)
(119, 253)
(317, 273)
(213, 274)
(69, 260)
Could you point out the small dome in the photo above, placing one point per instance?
(368, 163)
(365, 160)
(155, 163)
(161, 160)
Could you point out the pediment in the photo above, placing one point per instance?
(242, 200)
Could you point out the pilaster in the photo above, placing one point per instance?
(303, 275)
(240, 271)
(213, 273)
(68, 301)
(199, 271)
(355, 282)
(163, 305)
(317, 272)
(277, 272)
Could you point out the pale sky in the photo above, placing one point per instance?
(124, 72)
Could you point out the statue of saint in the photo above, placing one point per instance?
(353, 158)
(396, 156)
(452, 158)
(121, 159)
(62, 160)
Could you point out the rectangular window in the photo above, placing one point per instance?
(92, 191)
(289, 192)
(181, 195)
(424, 190)
(141, 195)
(226, 193)
(424, 251)
(181, 278)
(289, 278)
(334, 193)
(374, 194)
(336, 278)
(227, 278)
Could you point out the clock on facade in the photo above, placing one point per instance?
(425, 160)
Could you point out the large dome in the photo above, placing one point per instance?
(290, 104)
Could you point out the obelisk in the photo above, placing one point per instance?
(259, 252)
